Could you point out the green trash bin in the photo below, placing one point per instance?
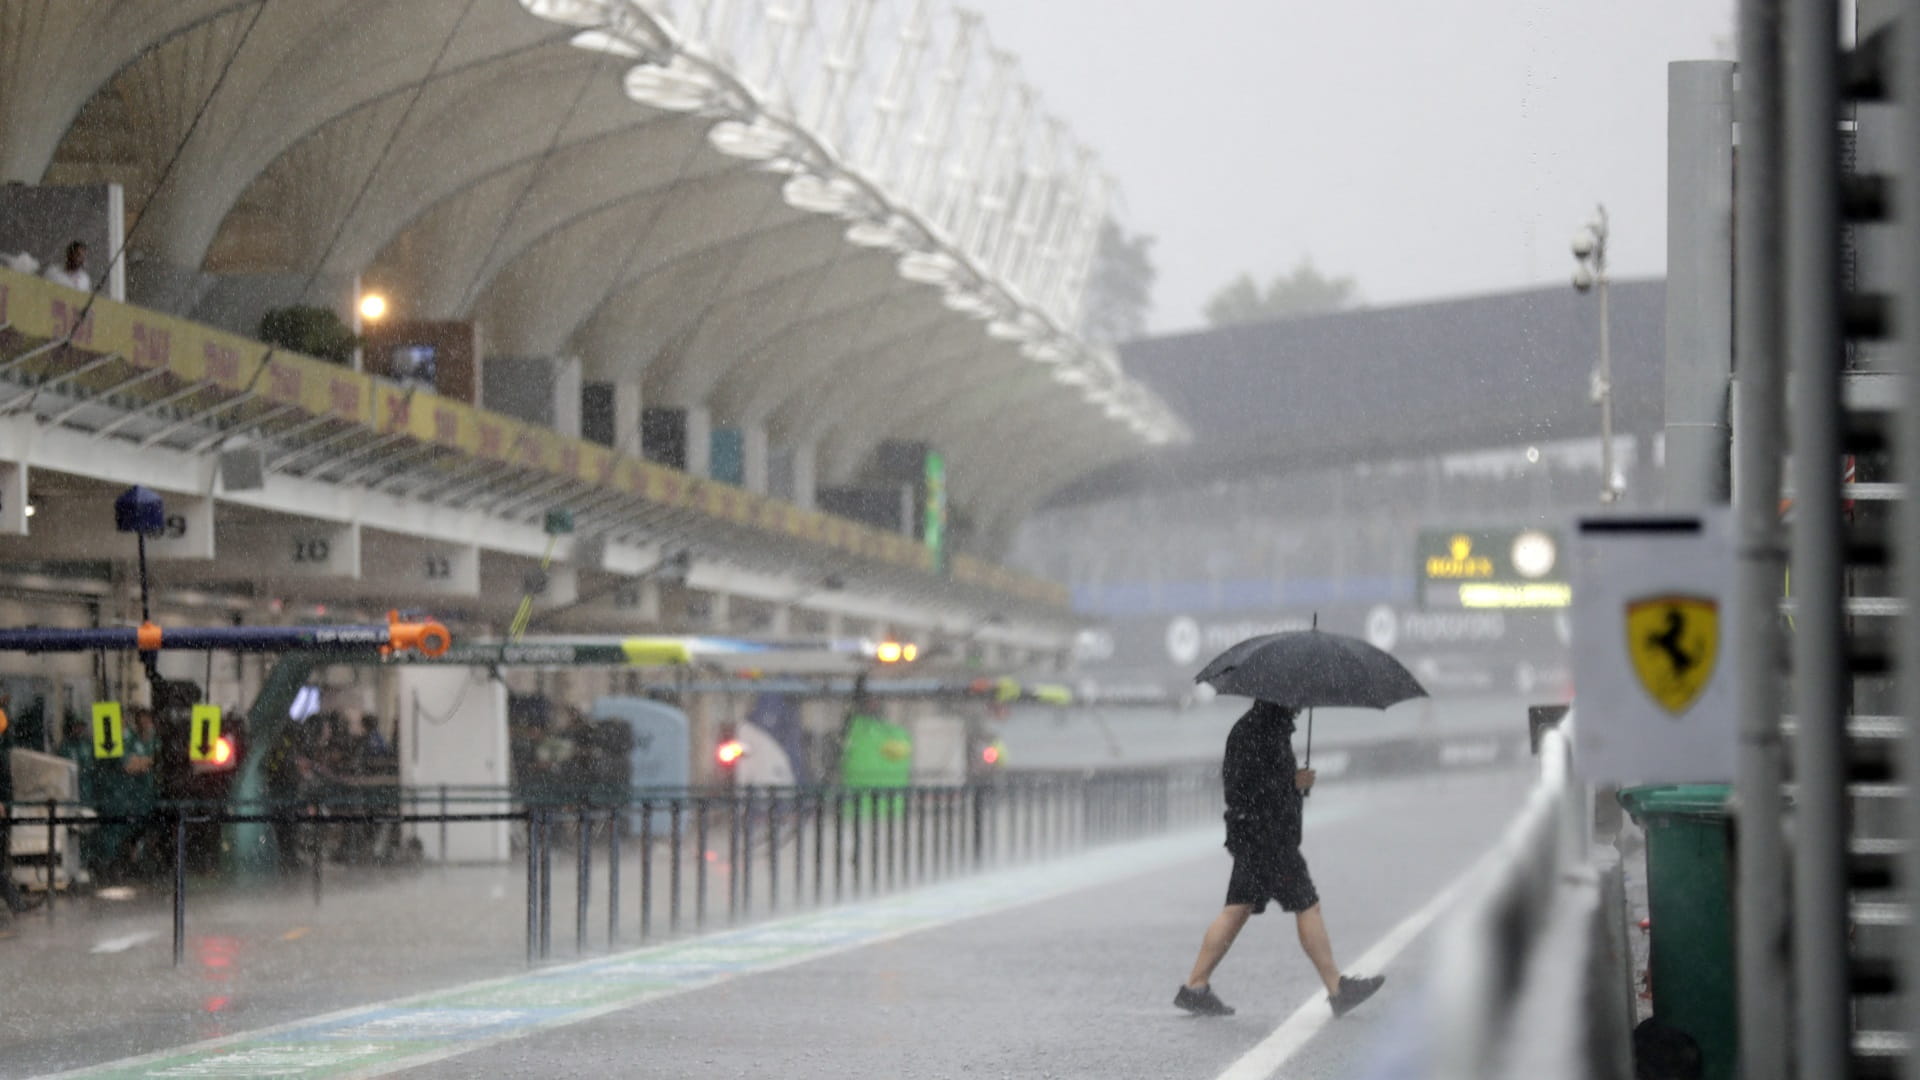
(1690, 901)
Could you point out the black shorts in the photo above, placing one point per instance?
(1281, 875)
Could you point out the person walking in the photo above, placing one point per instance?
(1264, 788)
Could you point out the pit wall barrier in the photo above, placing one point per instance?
(1532, 967)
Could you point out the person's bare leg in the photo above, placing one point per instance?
(1219, 938)
(1319, 949)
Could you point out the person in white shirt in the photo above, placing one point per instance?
(74, 273)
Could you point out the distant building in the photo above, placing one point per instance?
(1322, 447)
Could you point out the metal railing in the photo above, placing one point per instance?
(1532, 970)
(742, 853)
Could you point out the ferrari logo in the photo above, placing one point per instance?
(1673, 642)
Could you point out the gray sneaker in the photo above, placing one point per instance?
(1353, 992)
(1201, 1002)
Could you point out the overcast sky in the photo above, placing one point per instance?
(1427, 148)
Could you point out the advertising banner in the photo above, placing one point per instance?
(1452, 653)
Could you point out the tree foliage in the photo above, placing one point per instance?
(319, 332)
(1119, 286)
(1304, 291)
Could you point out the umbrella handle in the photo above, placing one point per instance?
(1307, 793)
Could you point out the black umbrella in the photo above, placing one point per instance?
(1302, 669)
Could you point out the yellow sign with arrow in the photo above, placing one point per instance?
(204, 746)
(108, 736)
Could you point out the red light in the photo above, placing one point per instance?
(731, 752)
(991, 755)
(222, 750)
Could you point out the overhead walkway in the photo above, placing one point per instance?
(404, 496)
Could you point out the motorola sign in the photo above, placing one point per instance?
(1189, 641)
(1183, 640)
(1383, 628)
(1093, 646)
(1466, 651)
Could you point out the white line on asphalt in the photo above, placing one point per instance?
(124, 942)
(1293, 1033)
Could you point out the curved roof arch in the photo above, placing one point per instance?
(525, 95)
(889, 405)
(772, 287)
(1049, 450)
(55, 55)
(877, 348)
(868, 312)
(536, 302)
(974, 409)
(302, 66)
(446, 257)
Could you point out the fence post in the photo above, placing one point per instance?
(678, 854)
(873, 841)
(613, 877)
(179, 886)
(546, 883)
(979, 825)
(799, 847)
(772, 850)
(855, 860)
(893, 828)
(318, 825)
(744, 869)
(700, 862)
(646, 868)
(955, 800)
(53, 810)
(533, 887)
(583, 879)
(443, 826)
(819, 845)
(920, 836)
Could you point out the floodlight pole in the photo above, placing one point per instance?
(1590, 255)
(1608, 492)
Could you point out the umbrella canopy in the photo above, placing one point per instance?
(1303, 669)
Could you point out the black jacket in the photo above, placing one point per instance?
(1263, 805)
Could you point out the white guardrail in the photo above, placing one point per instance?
(1533, 970)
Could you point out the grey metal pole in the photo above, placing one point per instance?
(646, 869)
(675, 857)
(583, 878)
(613, 877)
(1819, 663)
(1759, 431)
(1907, 448)
(773, 851)
(546, 883)
(179, 886)
(1699, 280)
(533, 885)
